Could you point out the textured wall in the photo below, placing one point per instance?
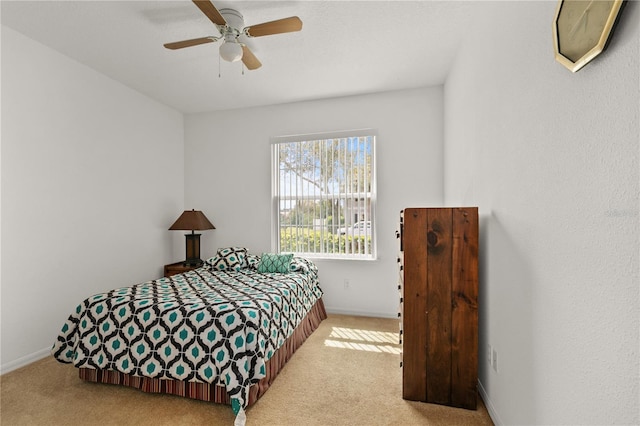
(551, 159)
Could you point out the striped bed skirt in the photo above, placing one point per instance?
(216, 392)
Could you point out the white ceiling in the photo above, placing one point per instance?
(344, 48)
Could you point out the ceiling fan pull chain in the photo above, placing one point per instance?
(219, 74)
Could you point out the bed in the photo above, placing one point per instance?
(218, 333)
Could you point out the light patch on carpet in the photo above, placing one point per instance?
(363, 340)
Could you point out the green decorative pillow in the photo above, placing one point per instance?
(272, 262)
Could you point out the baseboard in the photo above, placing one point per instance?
(25, 360)
(361, 313)
(490, 408)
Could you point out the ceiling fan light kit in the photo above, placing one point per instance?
(230, 24)
(231, 51)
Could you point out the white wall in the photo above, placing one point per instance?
(92, 177)
(551, 158)
(227, 175)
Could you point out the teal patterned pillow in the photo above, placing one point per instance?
(303, 266)
(253, 260)
(272, 262)
(300, 264)
(230, 259)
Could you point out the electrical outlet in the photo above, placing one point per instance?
(489, 354)
(346, 284)
(494, 360)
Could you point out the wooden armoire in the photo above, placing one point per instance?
(439, 305)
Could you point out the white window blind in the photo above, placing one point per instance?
(323, 191)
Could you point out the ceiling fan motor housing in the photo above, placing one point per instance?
(235, 22)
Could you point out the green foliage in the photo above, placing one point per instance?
(305, 240)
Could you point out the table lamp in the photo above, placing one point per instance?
(192, 220)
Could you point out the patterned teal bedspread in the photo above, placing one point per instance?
(203, 326)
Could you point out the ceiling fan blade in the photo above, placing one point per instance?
(210, 10)
(188, 43)
(285, 25)
(249, 59)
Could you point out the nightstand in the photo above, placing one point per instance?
(177, 268)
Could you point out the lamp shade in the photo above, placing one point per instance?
(192, 220)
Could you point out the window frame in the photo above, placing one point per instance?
(275, 141)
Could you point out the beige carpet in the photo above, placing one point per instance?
(346, 373)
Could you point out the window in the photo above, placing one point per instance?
(323, 192)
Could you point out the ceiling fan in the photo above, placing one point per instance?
(230, 24)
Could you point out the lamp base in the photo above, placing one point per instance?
(193, 250)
